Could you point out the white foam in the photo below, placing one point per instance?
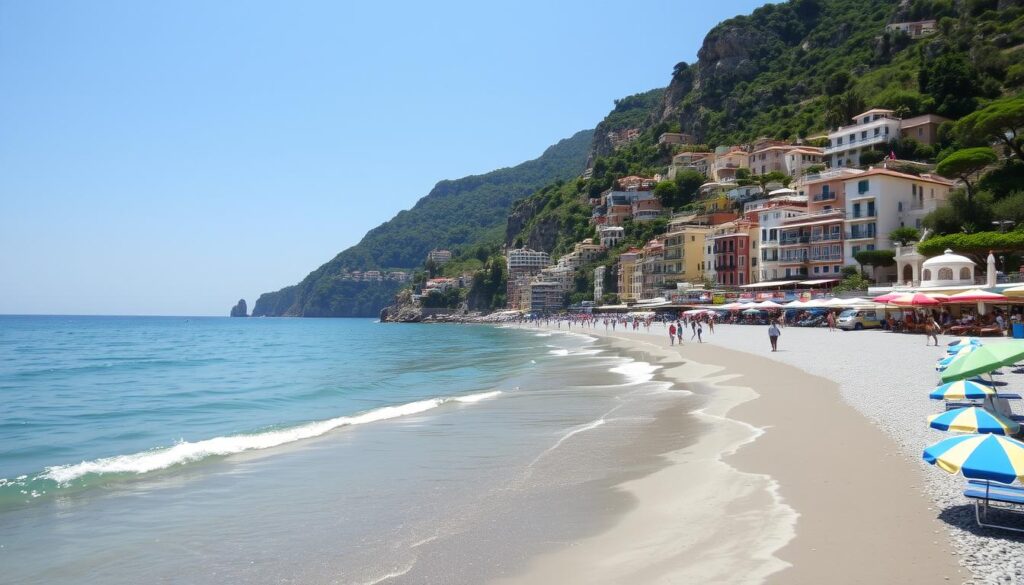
(636, 372)
(562, 352)
(187, 452)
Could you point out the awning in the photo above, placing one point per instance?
(769, 284)
(822, 281)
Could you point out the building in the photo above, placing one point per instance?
(675, 138)
(523, 264)
(812, 244)
(727, 163)
(373, 276)
(881, 200)
(800, 159)
(439, 257)
(770, 221)
(874, 130)
(635, 183)
(599, 283)
(683, 259)
(651, 269)
(693, 161)
(582, 253)
(545, 296)
(610, 235)
(914, 30)
(871, 130)
(646, 207)
(398, 276)
(924, 129)
(731, 246)
(626, 279)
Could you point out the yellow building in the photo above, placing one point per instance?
(629, 268)
(684, 251)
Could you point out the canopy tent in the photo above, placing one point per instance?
(976, 295)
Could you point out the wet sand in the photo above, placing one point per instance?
(790, 484)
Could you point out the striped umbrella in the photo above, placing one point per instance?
(961, 343)
(988, 457)
(973, 420)
(917, 300)
(985, 359)
(962, 390)
(948, 360)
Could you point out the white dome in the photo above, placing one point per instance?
(947, 258)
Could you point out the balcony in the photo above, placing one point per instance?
(831, 196)
(827, 237)
(857, 214)
(857, 143)
(792, 241)
(860, 235)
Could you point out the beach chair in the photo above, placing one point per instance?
(990, 330)
(990, 496)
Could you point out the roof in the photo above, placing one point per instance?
(837, 217)
(872, 111)
(819, 281)
(768, 284)
(892, 173)
(947, 257)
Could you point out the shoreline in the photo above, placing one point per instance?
(776, 507)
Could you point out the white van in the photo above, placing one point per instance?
(857, 319)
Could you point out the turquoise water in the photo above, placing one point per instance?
(89, 399)
(215, 450)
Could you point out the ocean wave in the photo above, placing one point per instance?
(189, 452)
(636, 372)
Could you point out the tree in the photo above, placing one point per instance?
(1001, 121)
(689, 182)
(840, 109)
(952, 82)
(1010, 208)
(870, 157)
(905, 235)
(965, 163)
(975, 246)
(875, 258)
(668, 194)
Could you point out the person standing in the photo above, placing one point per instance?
(672, 334)
(679, 332)
(831, 319)
(931, 329)
(773, 335)
(693, 324)
(700, 329)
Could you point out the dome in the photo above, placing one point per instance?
(947, 269)
(947, 258)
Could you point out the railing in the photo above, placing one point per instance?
(863, 214)
(792, 241)
(859, 235)
(824, 197)
(827, 238)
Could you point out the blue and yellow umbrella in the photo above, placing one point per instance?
(962, 390)
(987, 457)
(973, 420)
(962, 342)
(962, 352)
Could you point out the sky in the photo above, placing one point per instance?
(169, 158)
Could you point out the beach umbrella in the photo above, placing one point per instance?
(916, 300)
(973, 420)
(987, 457)
(958, 344)
(946, 361)
(1017, 291)
(962, 390)
(886, 297)
(985, 359)
(976, 295)
(751, 311)
(768, 305)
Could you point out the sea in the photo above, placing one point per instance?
(217, 450)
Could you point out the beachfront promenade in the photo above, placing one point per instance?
(845, 421)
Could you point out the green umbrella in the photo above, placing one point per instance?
(984, 360)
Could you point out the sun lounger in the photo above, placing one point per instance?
(950, 405)
(990, 496)
(990, 330)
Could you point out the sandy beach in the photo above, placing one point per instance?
(811, 472)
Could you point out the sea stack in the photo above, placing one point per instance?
(240, 310)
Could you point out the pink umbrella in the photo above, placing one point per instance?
(917, 300)
(887, 297)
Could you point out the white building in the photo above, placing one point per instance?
(870, 131)
(599, 283)
(610, 235)
(879, 201)
(770, 221)
(439, 256)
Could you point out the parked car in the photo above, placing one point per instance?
(857, 319)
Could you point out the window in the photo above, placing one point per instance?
(862, 186)
(836, 269)
(927, 274)
(864, 135)
(920, 131)
(855, 250)
(816, 270)
(853, 138)
(877, 131)
(899, 206)
(965, 273)
(945, 274)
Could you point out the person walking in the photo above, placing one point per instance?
(672, 334)
(711, 323)
(831, 320)
(700, 329)
(773, 335)
(693, 324)
(679, 332)
(931, 329)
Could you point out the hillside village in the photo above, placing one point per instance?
(819, 210)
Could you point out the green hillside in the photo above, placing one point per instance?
(455, 214)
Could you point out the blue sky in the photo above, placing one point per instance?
(169, 158)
